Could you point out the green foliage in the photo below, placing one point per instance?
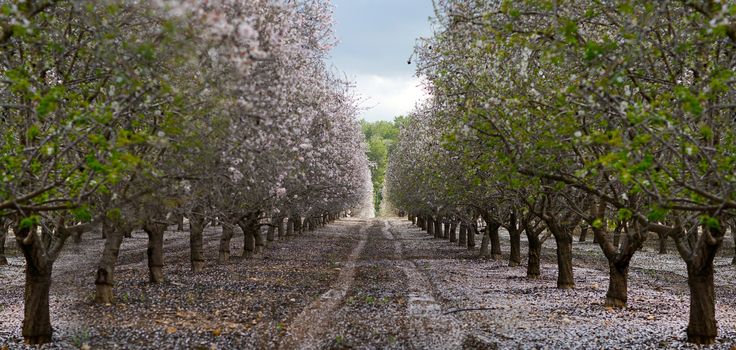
(381, 137)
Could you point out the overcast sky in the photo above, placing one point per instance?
(376, 38)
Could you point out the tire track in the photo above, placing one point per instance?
(429, 325)
(307, 330)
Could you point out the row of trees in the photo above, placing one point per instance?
(617, 116)
(127, 115)
(381, 138)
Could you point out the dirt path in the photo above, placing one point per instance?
(378, 283)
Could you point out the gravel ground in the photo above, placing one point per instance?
(361, 284)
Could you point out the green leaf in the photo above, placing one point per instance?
(29, 222)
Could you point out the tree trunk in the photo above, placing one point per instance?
(583, 233)
(702, 328)
(437, 228)
(534, 255)
(271, 232)
(617, 234)
(280, 227)
(414, 220)
(430, 226)
(155, 251)
(227, 234)
(495, 240)
(472, 230)
(485, 251)
(298, 226)
(3, 235)
(617, 293)
(36, 319)
(515, 251)
(733, 234)
(104, 279)
(196, 241)
(446, 230)
(452, 232)
(564, 261)
(180, 222)
(462, 239)
(290, 227)
(258, 238)
(249, 239)
(662, 243)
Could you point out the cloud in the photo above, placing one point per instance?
(386, 97)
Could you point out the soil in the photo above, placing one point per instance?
(378, 283)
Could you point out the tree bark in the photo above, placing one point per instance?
(280, 227)
(430, 226)
(583, 233)
(617, 294)
(485, 251)
(3, 235)
(290, 227)
(733, 234)
(515, 250)
(534, 255)
(180, 222)
(196, 241)
(662, 243)
(258, 238)
(36, 319)
(702, 328)
(155, 251)
(437, 228)
(249, 239)
(452, 232)
(271, 232)
(227, 234)
(462, 239)
(617, 235)
(298, 226)
(564, 261)
(104, 279)
(472, 230)
(495, 240)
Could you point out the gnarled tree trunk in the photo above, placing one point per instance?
(702, 327)
(36, 319)
(196, 241)
(485, 251)
(583, 233)
(104, 279)
(463, 236)
(3, 236)
(155, 250)
(472, 231)
(564, 260)
(493, 228)
(227, 234)
(290, 227)
(258, 238)
(438, 228)
(534, 255)
(515, 250)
